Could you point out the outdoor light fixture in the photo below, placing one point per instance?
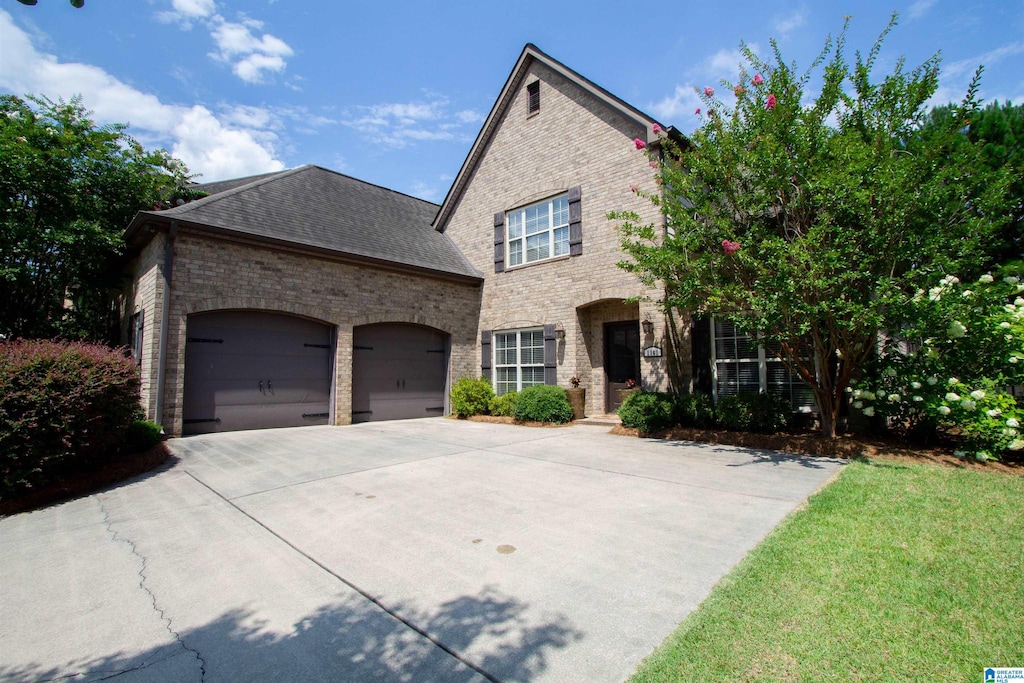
(648, 326)
(559, 331)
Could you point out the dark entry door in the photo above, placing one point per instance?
(621, 359)
(255, 370)
(399, 371)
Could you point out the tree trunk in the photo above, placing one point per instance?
(828, 409)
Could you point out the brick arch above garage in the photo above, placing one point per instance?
(240, 303)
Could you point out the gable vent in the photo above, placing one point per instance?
(533, 98)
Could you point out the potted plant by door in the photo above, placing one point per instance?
(577, 397)
(631, 388)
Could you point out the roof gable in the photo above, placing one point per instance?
(529, 55)
(318, 208)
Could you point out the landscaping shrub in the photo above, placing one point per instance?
(694, 410)
(543, 404)
(504, 405)
(62, 406)
(762, 413)
(141, 436)
(471, 396)
(647, 411)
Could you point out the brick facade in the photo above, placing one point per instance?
(574, 140)
(211, 274)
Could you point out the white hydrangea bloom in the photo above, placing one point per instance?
(978, 394)
(932, 381)
(1012, 422)
(944, 410)
(994, 412)
(869, 411)
(986, 278)
(1016, 445)
(968, 404)
(1011, 280)
(952, 397)
(956, 330)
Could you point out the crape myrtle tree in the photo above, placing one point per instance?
(68, 189)
(806, 221)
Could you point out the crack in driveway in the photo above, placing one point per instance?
(117, 536)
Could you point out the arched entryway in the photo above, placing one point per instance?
(255, 370)
(399, 371)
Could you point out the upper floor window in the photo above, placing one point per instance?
(533, 98)
(539, 231)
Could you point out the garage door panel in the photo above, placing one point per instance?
(255, 370)
(399, 371)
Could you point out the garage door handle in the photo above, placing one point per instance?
(261, 388)
(270, 387)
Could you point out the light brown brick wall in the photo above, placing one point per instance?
(573, 140)
(216, 274)
(148, 299)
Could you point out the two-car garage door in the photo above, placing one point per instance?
(257, 370)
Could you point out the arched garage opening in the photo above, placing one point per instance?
(399, 371)
(255, 370)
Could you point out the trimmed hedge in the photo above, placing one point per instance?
(695, 410)
(648, 411)
(543, 404)
(471, 397)
(762, 413)
(504, 405)
(63, 406)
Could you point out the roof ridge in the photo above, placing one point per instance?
(211, 198)
(366, 182)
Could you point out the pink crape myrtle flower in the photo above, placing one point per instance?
(739, 90)
(757, 79)
(654, 164)
(656, 128)
(634, 188)
(640, 144)
(771, 102)
(730, 247)
(697, 111)
(709, 91)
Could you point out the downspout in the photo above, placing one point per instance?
(165, 321)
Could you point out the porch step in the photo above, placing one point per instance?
(606, 420)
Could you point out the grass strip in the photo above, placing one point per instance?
(894, 572)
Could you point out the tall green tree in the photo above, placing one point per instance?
(807, 221)
(68, 189)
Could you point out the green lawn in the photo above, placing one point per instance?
(892, 573)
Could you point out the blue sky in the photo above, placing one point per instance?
(394, 93)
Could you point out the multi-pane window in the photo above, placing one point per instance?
(518, 360)
(539, 231)
(742, 366)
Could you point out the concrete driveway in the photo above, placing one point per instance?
(422, 550)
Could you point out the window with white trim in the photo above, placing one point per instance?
(518, 360)
(742, 366)
(538, 232)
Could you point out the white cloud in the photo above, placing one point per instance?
(920, 8)
(679, 108)
(252, 57)
(399, 124)
(679, 105)
(967, 66)
(239, 143)
(432, 192)
(787, 25)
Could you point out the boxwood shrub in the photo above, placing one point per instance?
(648, 411)
(762, 413)
(471, 396)
(63, 406)
(695, 410)
(504, 405)
(543, 404)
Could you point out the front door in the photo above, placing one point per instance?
(621, 359)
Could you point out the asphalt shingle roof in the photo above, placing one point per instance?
(317, 207)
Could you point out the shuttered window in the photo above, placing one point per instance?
(741, 366)
(538, 232)
(533, 98)
(518, 360)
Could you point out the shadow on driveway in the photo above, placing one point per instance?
(353, 641)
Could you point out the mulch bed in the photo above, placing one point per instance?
(847, 446)
(117, 469)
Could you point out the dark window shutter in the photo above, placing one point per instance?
(499, 242)
(575, 222)
(485, 354)
(550, 355)
(700, 345)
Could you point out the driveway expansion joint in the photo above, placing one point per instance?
(117, 536)
(362, 592)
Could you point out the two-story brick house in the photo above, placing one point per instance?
(308, 297)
